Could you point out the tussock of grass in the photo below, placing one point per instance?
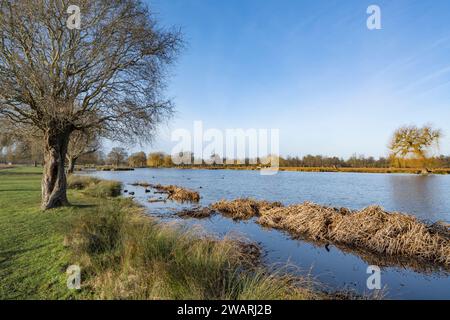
(243, 208)
(126, 255)
(197, 213)
(177, 193)
(94, 187)
(373, 229)
(80, 182)
(104, 189)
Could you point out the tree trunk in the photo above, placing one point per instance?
(71, 165)
(54, 184)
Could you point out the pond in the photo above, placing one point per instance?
(426, 197)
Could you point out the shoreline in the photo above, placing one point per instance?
(414, 171)
(411, 171)
(387, 236)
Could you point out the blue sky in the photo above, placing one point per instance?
(312, 69)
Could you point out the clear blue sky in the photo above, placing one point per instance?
(312, 69)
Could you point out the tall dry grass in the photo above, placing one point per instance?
(95, 187)
(243, 208)
(177, 193)
(126, 255)
(371, 230)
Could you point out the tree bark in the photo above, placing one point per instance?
(54, 184)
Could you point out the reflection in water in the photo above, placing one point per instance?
(416, 194)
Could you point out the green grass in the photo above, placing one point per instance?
(33, 259)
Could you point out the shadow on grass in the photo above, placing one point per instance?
(83, 206)
(6, 173)
(7, 256)
(20, 190)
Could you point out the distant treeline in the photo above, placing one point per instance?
(119, 157)
(362, 162)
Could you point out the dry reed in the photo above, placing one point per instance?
(177, 193)
(245, 208)
(371, 229)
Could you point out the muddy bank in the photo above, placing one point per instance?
(371, 233)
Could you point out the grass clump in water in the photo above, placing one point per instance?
(177, 193)
(371, 229)
(243, 208)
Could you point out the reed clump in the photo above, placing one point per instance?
(177, 193)
(197, 213)
(80, 182)
(95, 187)
(104, 189)
(371, 229)
(245, 208)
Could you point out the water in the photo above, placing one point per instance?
(427, 197)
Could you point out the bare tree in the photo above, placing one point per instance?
(81, 143)
(20, 145)
(109, 74)
(117, 156)
(137, 160)
(414, 142)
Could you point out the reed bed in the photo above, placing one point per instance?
(241, 209)
(373, 229)
(177, 193)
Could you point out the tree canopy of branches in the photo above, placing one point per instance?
(109, 74)
(413, 142)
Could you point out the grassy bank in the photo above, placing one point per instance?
(122, 253)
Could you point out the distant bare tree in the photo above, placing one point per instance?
(109, 74)
(117, 156)
(414, 142)
(81, 143)
(137, 160)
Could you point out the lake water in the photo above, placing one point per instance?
(427, 197)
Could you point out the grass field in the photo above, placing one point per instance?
(32, 257)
